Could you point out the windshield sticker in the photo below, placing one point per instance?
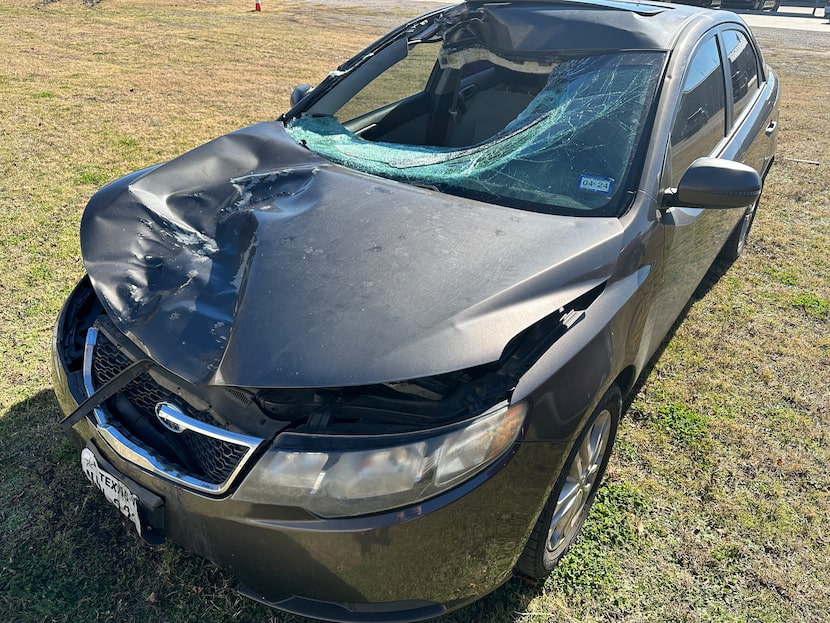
(596, 184)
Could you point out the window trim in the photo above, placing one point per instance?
(732, 120)
(717, 148)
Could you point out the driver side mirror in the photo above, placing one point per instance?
(299, 93)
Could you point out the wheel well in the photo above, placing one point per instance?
(625, 380)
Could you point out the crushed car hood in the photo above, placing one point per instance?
(251, 261)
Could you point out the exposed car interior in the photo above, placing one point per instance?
(519, 129)
(468, 106)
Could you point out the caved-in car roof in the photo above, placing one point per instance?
(534, 25)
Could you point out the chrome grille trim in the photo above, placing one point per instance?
(146, 458)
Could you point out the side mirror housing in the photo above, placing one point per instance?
(299, 93)
(716, 183)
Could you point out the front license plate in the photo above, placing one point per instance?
(115, 491)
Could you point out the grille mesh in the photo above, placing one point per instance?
(209, 459)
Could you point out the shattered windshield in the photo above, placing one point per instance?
(551, 132)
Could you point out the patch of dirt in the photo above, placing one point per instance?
(42, 3)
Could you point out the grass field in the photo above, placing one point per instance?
(717, 502)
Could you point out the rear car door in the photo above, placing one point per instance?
(751, 93)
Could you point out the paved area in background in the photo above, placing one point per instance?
(788, 17)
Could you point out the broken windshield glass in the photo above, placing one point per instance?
(561, 142)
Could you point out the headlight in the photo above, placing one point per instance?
(316, 473)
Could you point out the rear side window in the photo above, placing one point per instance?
(701, 117)
(743, 68)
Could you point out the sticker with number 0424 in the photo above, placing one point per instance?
(596, 184)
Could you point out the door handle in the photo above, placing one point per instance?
(771, 127)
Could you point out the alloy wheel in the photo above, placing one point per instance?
(582, 476)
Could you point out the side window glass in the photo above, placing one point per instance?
(701, 116)
(743, 68)
(408, 77)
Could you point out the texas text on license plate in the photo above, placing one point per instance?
(115, 491)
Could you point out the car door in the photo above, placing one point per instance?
(721, 113)
(699, 129)
(751, 101)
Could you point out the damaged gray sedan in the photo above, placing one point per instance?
(371, 356)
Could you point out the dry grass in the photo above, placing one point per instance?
(89, 94)
(718, 499)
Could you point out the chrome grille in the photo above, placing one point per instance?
(201, 455)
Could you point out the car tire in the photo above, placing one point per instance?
(735, 244)
(570, 500)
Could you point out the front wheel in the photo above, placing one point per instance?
(571, 498)
(734, 245)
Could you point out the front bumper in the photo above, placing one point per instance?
(409, 564)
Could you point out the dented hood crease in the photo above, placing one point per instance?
(251, 261)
